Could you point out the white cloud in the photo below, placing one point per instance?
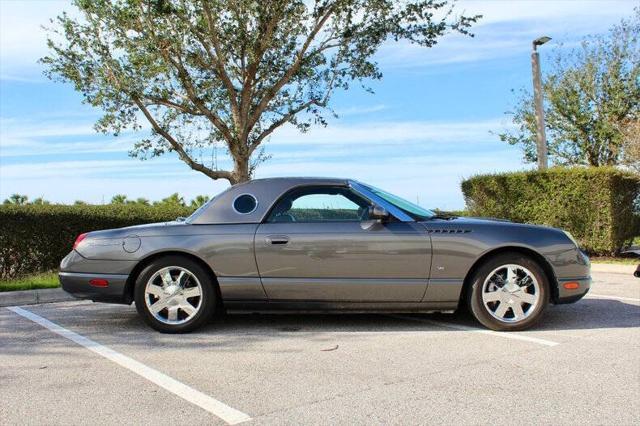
(433, 180)
(390, 132)
(61, 133)
(70, 135)
(507, 28)
(15, 128)
(21, 79)
(414, 158)
(44, 170)
(359, 110)
(500, 11)
(22, 40)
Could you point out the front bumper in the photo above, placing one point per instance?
(572, 295)
(83, 286)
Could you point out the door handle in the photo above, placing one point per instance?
(277, 239)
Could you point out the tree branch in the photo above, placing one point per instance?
(252, 69)
(220, 64)
(213, 174)
(285, 118)
(187, 83)
(165, 102)
(262, 105)
(292, 112)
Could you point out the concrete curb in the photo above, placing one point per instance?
(34, 297)
(613, 268)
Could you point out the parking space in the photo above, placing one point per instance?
(580, 365)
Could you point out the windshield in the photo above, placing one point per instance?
(413, 210)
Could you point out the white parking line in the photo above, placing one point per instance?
(509, 335)
(604, 296)
(212, 405)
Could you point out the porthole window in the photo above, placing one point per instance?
(245, 204)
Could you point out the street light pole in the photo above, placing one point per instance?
(541, 138)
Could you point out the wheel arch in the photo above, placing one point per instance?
(144, 262)
(539, 258)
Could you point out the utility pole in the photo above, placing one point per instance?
(541, 138)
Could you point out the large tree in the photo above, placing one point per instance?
(203, 72)
(592, 102)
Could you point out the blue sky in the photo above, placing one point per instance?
(425, 129)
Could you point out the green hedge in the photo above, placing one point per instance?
(34, 238)
(599, 206)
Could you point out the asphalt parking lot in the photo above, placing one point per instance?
(85, 363)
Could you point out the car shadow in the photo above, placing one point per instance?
(592, 314)
(117, 326)
(585, 314)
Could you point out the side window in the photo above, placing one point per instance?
(320, 205)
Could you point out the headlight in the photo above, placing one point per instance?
(573, 240)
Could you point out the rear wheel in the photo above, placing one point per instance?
(509, 292)
(174, 294)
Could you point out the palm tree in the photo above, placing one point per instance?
(172, 200)
(119, 199)
(141, 201)
(199, 201)
(40, 201)
(17, 200)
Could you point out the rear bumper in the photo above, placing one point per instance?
(80, 285)
(572, 295)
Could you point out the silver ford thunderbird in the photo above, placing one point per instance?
(316, 244)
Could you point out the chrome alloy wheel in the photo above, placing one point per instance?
(173, 295)
(511, 293)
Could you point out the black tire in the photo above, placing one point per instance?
(483, 314)
(206, 305)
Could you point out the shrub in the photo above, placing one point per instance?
(34, 238)
(599, 206)
(450, 212)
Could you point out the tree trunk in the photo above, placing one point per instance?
(592, 157)
(240, 169)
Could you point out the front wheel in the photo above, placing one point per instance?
(509, 292)
(174, 294)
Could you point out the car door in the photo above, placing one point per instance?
(317, 244)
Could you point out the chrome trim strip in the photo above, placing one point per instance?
(91, 275)
(585, 278)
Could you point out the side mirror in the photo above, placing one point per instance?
(378, 213)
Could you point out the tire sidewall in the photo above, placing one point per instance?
(208, 294)
(480, 311)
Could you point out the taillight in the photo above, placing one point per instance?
(99, 282)
(79, 240)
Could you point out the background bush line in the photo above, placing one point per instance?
(598, 205)
(34, 238)
(173, 200)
